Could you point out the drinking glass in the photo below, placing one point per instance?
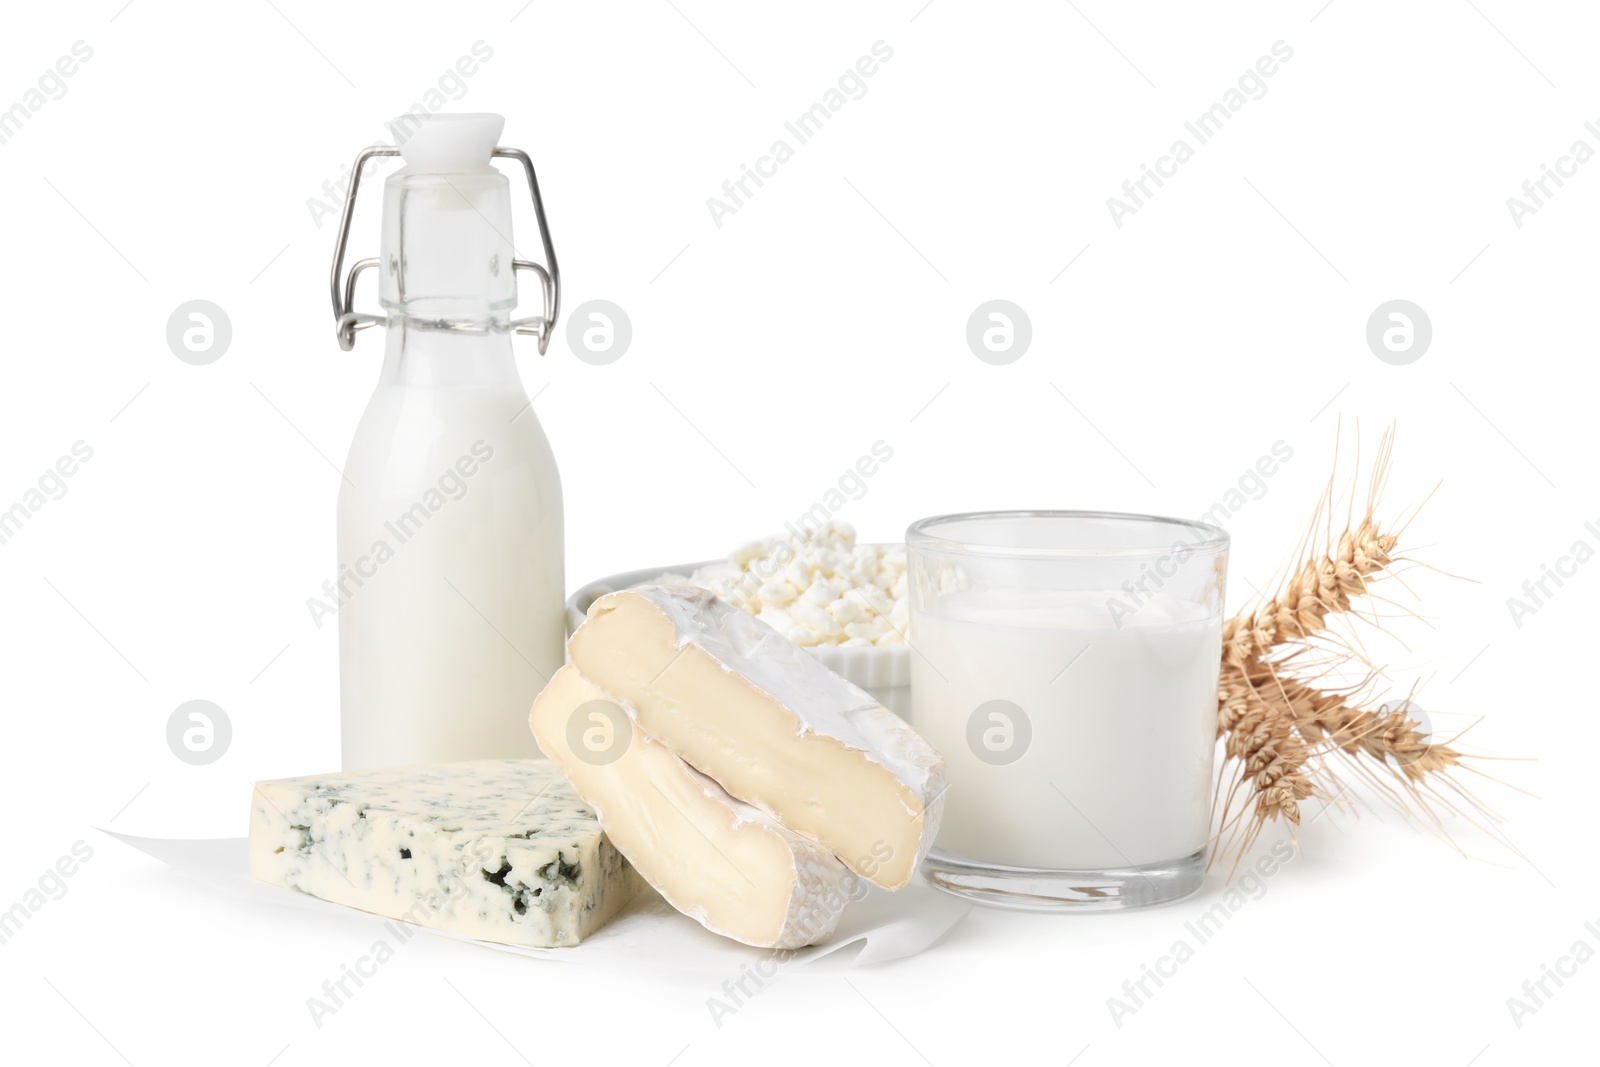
(1065, 664)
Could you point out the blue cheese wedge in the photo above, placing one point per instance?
(736, 870)
(742, 704)
(500, 850)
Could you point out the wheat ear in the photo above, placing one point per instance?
(1280, 731)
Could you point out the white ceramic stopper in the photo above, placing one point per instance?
(452, 144)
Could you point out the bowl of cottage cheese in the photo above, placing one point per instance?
(845, 603)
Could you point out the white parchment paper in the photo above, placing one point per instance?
(649, 934)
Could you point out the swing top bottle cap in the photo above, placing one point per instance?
(446, 255)
(446, 249)
(453, 144)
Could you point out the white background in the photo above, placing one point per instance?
(828, 313)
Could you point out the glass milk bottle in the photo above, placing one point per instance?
(450, 528)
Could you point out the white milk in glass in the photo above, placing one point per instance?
(1108, 762)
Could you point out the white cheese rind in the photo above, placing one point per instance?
(501, 850)
(771, 724)
(732, 868)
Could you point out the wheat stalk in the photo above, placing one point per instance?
(1281, 733)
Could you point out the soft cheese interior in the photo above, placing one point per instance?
(502, 850)
(733, 868)
(772, 725)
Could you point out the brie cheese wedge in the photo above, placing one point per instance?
(774, 727)
(734, 869)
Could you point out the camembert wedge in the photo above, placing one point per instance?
(733, 868)
(773, 726)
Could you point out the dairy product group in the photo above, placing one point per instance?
(742, 779)
(694, 745)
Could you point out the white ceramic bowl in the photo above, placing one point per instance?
(882, 670)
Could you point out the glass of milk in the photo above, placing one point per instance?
(1065, 664)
